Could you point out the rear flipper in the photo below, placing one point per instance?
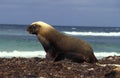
(60, 57)
(72, 57)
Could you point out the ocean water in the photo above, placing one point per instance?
(16, 42)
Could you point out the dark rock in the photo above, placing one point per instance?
(115, 73)
(41, 68)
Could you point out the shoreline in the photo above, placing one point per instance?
(39, 67)
(42, 53)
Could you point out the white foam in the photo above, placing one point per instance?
(106, 54)
(73, 28)
(41, 54)
(26, 54)
(93, 33)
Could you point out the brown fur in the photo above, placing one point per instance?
(59, 46)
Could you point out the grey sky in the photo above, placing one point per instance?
(61, 12)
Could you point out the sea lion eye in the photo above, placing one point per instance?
(33, 28)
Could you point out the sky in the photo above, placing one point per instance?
(61, 12)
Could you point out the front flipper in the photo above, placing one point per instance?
(51, 52)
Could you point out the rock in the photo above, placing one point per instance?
(115, 73)
(69, 68)
(41, 68)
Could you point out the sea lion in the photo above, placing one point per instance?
(59, 46)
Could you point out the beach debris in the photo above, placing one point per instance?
(41, 68)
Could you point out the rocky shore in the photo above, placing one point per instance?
(108, 67)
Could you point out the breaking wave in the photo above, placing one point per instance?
(93, 33)
(41, 54)
(106, 54)
(26, 54)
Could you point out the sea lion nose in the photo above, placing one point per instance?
(28, 28)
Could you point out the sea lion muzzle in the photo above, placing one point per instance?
(33, 29)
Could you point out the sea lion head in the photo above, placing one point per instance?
(34, 28)
(39, 26)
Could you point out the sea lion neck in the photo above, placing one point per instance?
(54, 36)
